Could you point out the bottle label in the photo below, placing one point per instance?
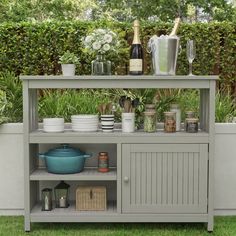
(135, 65)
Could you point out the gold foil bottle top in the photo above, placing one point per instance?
(136, 39)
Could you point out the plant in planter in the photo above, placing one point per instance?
(128, 116)
(68, 62)
(107, 117)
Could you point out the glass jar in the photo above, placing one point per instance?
(150, 121)
(170, 122)
(101, 66)
(176, 108)
(46, 199)
(103, 162)
(192, 125)
(150, 118)
(188, 114)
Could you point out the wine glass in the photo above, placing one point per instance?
(191, 53)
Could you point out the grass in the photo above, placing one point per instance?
(13, 226)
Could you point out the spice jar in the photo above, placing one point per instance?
(170, 122)
(176, 108)
(103, 162)
(150, 118)
(188, 114)
(192, 125)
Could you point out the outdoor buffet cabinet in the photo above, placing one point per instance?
(158, 177)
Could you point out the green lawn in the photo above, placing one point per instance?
(13, 226)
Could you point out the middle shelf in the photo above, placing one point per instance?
(88, 174)
(39, 136)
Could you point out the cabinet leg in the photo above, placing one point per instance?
(27, 226)
(210, 224)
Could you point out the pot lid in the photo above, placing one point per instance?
(63, 151)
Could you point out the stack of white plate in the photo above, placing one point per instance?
(53, 124)
(84, 123)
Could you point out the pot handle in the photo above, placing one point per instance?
(88, 155)
(41, 155)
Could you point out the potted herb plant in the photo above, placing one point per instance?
(68, 63)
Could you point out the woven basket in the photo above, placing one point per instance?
(91, 198)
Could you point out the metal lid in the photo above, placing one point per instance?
(150, 106)
(192, 119)
(189, 112)
(149, 113)
(174, 106)
(169, 113)
(63, 151)
(103, 153)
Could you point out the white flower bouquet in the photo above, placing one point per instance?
(101, 41)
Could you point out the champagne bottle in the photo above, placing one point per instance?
(136, 53)
(176, 27)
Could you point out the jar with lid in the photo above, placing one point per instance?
(176, 108)
(188, 114)
(192, 125)
(103, 162)
(170, 122)
(150, 118)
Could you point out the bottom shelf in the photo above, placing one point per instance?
(71, 211)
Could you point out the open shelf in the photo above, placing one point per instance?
(118, 136)
(90, 174)
(61, 214)
(118, 81)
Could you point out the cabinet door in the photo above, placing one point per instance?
(164, 178)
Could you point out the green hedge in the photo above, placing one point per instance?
(34, 48)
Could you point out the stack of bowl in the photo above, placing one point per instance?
(53, 125)
(84, 123)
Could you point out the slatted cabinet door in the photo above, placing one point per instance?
(164, 178)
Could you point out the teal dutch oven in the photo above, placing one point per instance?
(64, 160)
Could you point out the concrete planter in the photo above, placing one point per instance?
(12, 169)
(225, 169)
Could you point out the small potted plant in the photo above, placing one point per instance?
(128, 116)
(107, 117)
(68, 62)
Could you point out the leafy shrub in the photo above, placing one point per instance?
(11, 105)
(29, 48)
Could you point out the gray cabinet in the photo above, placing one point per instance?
(156, 177)
(164, 178)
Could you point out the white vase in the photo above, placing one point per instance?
(68, 69)
(107, 123)
(128, 122)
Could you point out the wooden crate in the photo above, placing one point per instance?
(91, 198)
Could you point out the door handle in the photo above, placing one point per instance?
(126, 179)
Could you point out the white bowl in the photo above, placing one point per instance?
(53, 129)
(84, 117)
(84, 130)
(53, 121)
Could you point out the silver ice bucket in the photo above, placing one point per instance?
(164, 51)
